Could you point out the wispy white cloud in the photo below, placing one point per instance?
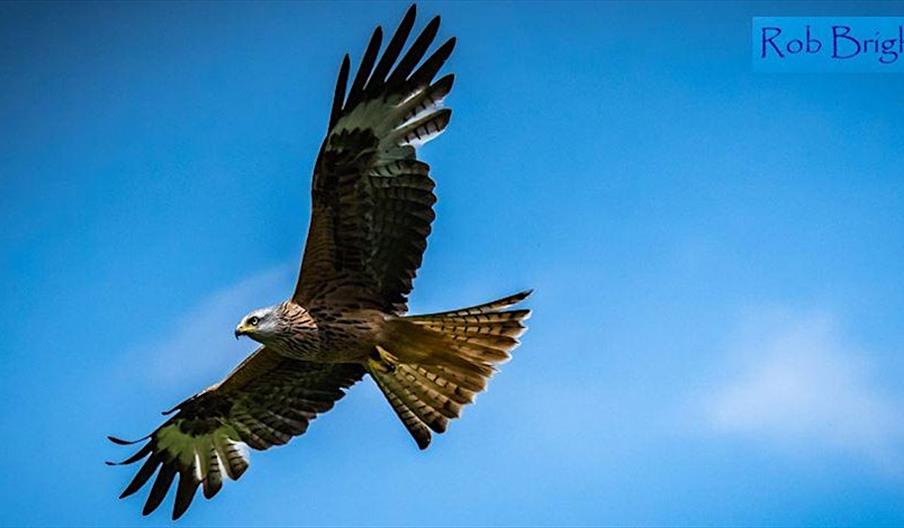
(201, 344)
(795, 381)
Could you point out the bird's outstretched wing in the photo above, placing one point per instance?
(372, 200)
(264, 402)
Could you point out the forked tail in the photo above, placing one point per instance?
(430, 366)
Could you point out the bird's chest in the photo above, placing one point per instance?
(340, 337)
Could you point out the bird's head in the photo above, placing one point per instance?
(260, 324)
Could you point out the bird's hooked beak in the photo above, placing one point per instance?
(240, 330)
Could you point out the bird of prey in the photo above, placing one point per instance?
(372, 207)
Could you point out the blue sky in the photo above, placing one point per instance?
(717, 256)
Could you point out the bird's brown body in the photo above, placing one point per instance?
(338, 334)
(371, 214)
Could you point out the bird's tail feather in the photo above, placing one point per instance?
(430, 366)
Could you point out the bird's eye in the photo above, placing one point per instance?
(253, 321)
